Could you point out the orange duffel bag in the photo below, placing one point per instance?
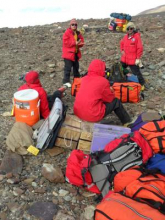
(75, 86)
(120, 22)
(143, 185)
(119, 207)
(127, 91)
(154, 133)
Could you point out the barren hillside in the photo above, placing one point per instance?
(156, 10)
(39, 48)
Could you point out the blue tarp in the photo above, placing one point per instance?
(121, 16)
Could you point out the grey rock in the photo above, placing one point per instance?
(2, 177)
(18, 191)
(51, 65)
(34, 184)
(53, 174)
(145, 73)
(152, 67)
(63, 192)
(11, 163)
(52, 75)
(63, 216)
(89, 212)
(162, 63)
(43, 210)
(67, 198)
(13, 207)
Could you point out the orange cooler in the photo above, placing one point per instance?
(27, 106)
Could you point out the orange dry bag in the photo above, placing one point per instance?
(127, 92)
(75, 86)
(154, 133)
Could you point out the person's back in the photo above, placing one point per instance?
(33, 82)
(94, 92)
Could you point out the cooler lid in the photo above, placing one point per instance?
(26, 95)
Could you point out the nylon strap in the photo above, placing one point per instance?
(101, 212)
(121, 88)
(159, 138)
(127, 94)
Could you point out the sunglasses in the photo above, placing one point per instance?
(130, 28)
(74, 25)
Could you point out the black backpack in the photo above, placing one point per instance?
(115, 73)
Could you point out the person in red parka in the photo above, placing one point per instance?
(46, 103)
(132, 49)
(72, 41)
(95, 99)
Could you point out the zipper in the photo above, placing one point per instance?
(131, 165)
(129, 207)
(161, 194)
(122, 156)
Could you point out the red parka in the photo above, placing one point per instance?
(132, 47)
(94, 92)
(69, 45)
(32, 82)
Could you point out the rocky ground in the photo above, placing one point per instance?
(39, 48)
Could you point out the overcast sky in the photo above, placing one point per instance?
(15, 13)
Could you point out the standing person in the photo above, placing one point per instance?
(95, 99)
(46, 102)
(132, 49)
(72, 42)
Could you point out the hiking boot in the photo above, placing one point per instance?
(107, 121)
(130, 123)
(68, 85)
(146, 86)
(142, 88)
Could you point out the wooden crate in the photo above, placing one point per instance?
(75, 134)
(84, 143)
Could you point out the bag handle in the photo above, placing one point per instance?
(143, 188)
(121, 87)
(85, 170)
(101, 212)
(157, 205)
(160, 139)
(156, 126)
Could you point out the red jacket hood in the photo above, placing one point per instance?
(69, 30)
(96, 68)
(135, 34)
(32, 78)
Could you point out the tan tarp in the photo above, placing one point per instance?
(20, 138)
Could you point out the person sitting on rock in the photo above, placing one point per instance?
(96, 99)
(46, 102)
(72, 42)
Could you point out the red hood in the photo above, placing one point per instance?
(32, 78)
(135, 34)
(96, 68)
(69, 30)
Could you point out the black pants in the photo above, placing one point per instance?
(119, 110)
(136, 71)
(67, 69)
(51, 98)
